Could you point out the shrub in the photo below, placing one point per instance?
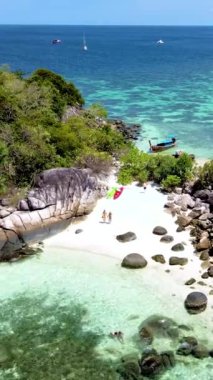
(98, 162)
(205, 174)
(170, 182)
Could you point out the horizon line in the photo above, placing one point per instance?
(109, 25)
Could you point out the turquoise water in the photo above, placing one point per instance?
(58, 309)
(168, 88)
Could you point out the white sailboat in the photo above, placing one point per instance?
(160, 42)
(84, 43)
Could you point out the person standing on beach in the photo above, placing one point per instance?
(110, 217)
(104, 216)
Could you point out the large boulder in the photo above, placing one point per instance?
(173, 260)
(158, 230)
(58, 196)
(134, 261)
(202, 194)
(128, 236)
(196, 302)
(129, 370)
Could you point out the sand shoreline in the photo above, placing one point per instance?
(139, 211)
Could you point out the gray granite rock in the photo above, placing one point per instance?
(128, 236)
(134, 261)
(196, 302)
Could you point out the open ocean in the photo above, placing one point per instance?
(168, 88)
(57, 308)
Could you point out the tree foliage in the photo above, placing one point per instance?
(164, 169)
(33, 136)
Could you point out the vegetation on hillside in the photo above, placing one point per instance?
(163, 169)
(33, 136)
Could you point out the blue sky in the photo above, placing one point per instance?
(107, 12)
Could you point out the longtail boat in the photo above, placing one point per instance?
(167, 144)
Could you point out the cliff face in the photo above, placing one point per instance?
(58, 195)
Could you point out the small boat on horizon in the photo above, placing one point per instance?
(56, 41)
(85, 48)
(164, 145)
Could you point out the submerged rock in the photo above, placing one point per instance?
(160, 326)
(129, 370)
(151, 365)
(196, 302)
(134, 261)
(200, 352)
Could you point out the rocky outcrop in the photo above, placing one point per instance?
(58, 196)
(196, 302)
(134, 261)
(129, 131)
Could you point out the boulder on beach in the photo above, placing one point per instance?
(204, 243)
(178, 247)
(78, 231)
(183, 221)
(204, 255)
(167, 239)
(158, 230)
(190, 281)
(173, 260)
(196, 302)
(210, 271)
(134, 261)
(128, 236)
(159, 259)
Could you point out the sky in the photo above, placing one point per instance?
(107, 12)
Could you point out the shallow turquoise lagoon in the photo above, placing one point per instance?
(58, 308)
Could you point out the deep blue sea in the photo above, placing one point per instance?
(168, 87)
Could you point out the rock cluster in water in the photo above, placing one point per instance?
(129, 131)
(152, 363)
(58, 195)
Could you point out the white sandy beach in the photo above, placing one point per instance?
(139, 211)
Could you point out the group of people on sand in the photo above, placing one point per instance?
(106, 217)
